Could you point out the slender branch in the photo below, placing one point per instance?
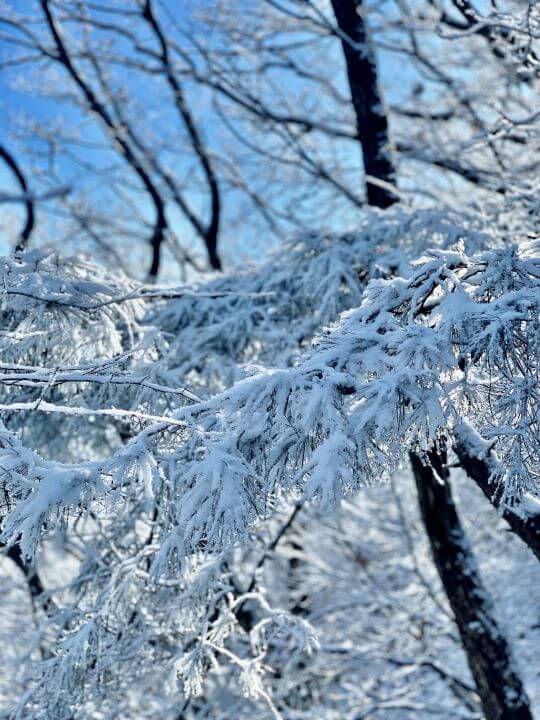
(482, 465)
(212, 229)
(98, 108)
(27, 199)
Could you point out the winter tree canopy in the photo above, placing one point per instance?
(269, 360)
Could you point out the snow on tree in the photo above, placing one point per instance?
(177, 486)
(208, 503)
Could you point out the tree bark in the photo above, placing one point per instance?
(488, 654)
(367, 99)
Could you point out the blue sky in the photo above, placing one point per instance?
(17, 102)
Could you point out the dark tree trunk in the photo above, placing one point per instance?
(371, 121)
(488, 654)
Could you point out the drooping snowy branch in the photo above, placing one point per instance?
(156, 512)
(455, 341)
